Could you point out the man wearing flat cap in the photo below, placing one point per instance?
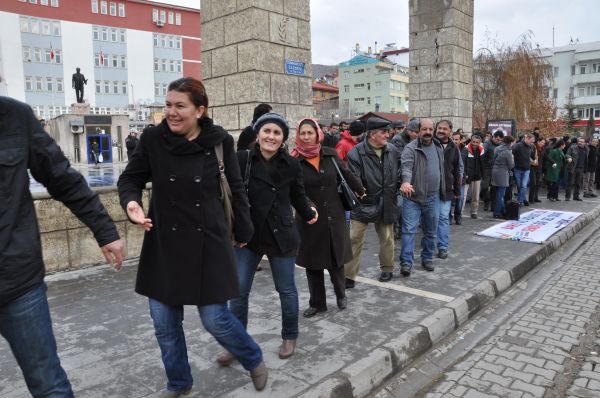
(375, 162)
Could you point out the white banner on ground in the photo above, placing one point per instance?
(535, 226)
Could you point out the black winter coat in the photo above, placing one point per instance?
(592, 159)
(380, 179)
(271, 200)
(326, 243)
(25, 145)
(474, 165)
(452, 176)
(187, 257)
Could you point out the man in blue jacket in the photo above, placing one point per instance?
(24, 315)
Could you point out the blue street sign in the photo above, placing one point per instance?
(294, 67)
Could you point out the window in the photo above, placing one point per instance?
(115, 87)
(177, 18)
(115, 61)
(44, 2)
(97, 60)
(38, 84)
(369, 100)
(359, 85)
(164, 89)
(171, 19)
(28, 84)
(122, 35)
(156, 89)
(27, 54)
(54, 3)
(581, 92)
(58, 56)
(35, 26)
(105, 34)
(56, 28)
(155, 39)
(582, 69)
(163, 16)
(556, 71)
(359, 70)
(59, 84)
(163, 41)
(103, 7)
(122, 10)
(37, 55)
(106, 87)
(555, 93)
(95, 33)
(24, 24)
(597, 90)
(113, 9)
(595, 68)
(47, 55)
(104, 59)
(572, 70)
(154, 15)
(49, 85)
(346, 88)
(359, 99)
(377, 85)
(123, 61)
(378, 100)
(179, 68)
(98, 87)
(596, 113)
(163, 65)
(113, 35)
(171, 42)
(45, 27)
(346, 74)
(178, 42)
(156, 67)
(33, 1)
(95, 6)
(124, 88)
(172, 66)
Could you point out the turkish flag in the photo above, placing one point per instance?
(101, 58)
(51, 52)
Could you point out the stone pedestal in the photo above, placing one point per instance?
(245, 45)
(441, 60)
(80, 109)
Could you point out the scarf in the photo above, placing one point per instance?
(307, 151)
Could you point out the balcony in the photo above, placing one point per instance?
(586, 78)
(587, 100)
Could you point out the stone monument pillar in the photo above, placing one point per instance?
(256, 51)
(441, 60)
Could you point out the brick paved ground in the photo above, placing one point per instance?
(529, 355)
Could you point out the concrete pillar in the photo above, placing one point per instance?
(441, 60)
(245, 45)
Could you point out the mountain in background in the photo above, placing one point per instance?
(319, 70)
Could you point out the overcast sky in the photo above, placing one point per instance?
(337, 25)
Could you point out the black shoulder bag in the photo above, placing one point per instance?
(349, 198)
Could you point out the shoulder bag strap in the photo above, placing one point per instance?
(338, 171)
(247, 171)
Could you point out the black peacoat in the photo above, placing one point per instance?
(271, 201)
(187, 257)
(326, 243)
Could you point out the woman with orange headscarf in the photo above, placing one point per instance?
(324, 245)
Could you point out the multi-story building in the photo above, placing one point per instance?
(128, 50)
(325, 100)
(576, 75)
(370, 83)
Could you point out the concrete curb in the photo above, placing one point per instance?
(363, 377)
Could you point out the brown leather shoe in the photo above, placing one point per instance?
(259, 376)
(225, 359)
(287, 349)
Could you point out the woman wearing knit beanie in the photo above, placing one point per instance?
(326, 243)
(274, 185)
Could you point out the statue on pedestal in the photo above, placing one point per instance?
(78, 82)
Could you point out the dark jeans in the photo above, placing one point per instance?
(217, 320)
(535, 181)
(282, 270)
(486, 185)
(553, 190)
(574, 183)
(25, 323)
(499, 201)
(457, 205)
(316, 285)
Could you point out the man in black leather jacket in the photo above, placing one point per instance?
(24, 314)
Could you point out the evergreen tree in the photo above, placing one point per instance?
(570, 116)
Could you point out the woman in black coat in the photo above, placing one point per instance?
(274, 187)
(187, 255)
(325, 244)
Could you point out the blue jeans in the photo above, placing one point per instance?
(522, 180)
(499, 201)
(25, 323)
(443, 230)
(282, 269)
(217, 320)
(427, 214)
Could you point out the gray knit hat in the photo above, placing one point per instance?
(272, 117)
(414, 125)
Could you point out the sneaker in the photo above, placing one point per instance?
(259, 376)
(443, 254)
(428, 265)
(405, 270)
(386, 276)
(350, 283)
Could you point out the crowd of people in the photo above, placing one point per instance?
(285, 204)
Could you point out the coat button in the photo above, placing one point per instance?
(199, 229)
(172, 177)
(329, 218)
(174, 227)
(275, 230)
(197, 179)
(273, 189)
(197, 203)
(207, 153)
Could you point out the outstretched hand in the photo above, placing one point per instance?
(136, 214)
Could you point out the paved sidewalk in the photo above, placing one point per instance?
(107, 345)
(529, 356)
